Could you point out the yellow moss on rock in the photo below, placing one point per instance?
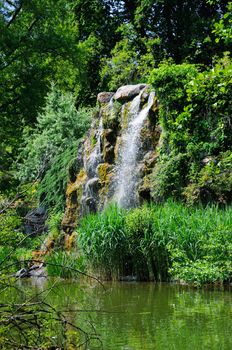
(73, 194)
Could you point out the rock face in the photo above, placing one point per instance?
(104, 97)
(127, 92)
(117, 156)
(35, 221)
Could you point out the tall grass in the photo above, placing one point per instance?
(103, 241)
(163, 243)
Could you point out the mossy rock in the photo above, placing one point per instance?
(103, 172)
(110, 116)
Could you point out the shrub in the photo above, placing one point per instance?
(52, 145)
(195, 114)
(169, 177)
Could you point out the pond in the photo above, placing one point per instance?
(148, 316)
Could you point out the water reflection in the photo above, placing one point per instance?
(133, 316)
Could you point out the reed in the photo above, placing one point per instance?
(164, 242)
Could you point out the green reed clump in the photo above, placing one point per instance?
(103, 241)
(164, 242)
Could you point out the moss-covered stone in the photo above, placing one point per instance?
(73, 195)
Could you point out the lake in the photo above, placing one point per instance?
(148, 316)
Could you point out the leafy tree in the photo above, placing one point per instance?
(51, 146)
(223, 28)
(132, 59)
(184, 27)
(39, 43)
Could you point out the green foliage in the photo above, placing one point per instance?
(103, 241)
(223, 28)
(64, 265)
(10, 228)
(195, 114)
(213, 181)
(169, 177)
(54, 224)
(160, 242)
(131, 59)
(59, 124)
(37, 45)
(15, 246)
(170, 82)
(52, 145)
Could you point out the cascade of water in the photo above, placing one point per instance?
(127, 169)
(91, 187)
(94, 158)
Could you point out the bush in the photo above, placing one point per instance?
(195, 115)
(52, 145)
(169, 177)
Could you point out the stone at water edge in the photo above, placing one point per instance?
(21, 273)
(37, 271)
(33, 271)
(128, 92)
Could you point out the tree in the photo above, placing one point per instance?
(38, 44)
(52, 145)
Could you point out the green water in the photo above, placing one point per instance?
(133, 316)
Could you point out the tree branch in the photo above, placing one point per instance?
(15, 13)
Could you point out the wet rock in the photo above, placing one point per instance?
(22, 273)
(91, 205)
(35, 221)
(104, 97)
(150, 160)
(37, 271)
(92, 186)
(108, 153)
(128, 92)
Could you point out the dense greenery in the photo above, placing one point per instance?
(168, 242)
(55, 57)
(85, 46)
(195, 113)
(44, 157)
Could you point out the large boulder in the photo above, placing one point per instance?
(104, 97)
(127, 92)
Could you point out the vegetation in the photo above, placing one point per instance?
(44, 156)
(165, 242)
(195, 113)
(55, 57)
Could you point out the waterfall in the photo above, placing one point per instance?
(95, 157)
(91, 162)
(127, 168)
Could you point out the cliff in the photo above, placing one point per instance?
(117, 156)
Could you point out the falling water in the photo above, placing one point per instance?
(91, 163)
(95, 157)
(127, 171)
